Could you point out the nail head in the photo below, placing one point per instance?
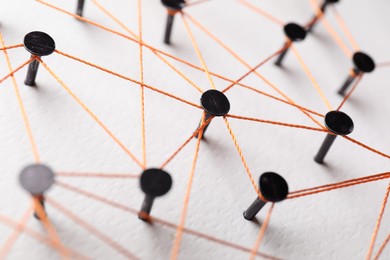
(363, 62)
(273, 186)
(155, 182)
(339, 123)
(39, 43)
(215, 102)
(294, 32)
(36, 179)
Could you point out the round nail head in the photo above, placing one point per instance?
(215, 103)
(294, 32)
(273, 187)
(155, 182)
(339, 123)
(39, 44)
(363, 62)
(36, 179)
(173, 4)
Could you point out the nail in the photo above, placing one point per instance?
(362, 64)
(36, 179)
(154, 183)
(294, 33)
(214, 103)
(273, 187)
(38, 44)
(338, 123)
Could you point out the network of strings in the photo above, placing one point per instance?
(53, 240)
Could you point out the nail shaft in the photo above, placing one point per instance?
(281, 56)
(348, 83)
(316, 17)
(42, 202)
(168, 28)
(146, 207)
(32, 72)
(80, 7)
(207, 117)
(253, 209)
(329, 139)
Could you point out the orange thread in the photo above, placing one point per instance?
(95, 197)
(344, 27)
(335, 186)
(378, 223)
(128, 79)
(15, 235)
(253, 70)
(147, 46)
(238, 148)
(262, 12)
(104, 10)
(276, 123)
(359, 77)
(180, 227)
(223, 45)
(228, 49)
(11, 47)
(310, 76)
(16, 70)
(91, 229)
(202, 126)
(261, 233)
(141, 64)
(383, 64)
(289, 99)
(52, 233)
(95, 118)
(330, 30)
(198, 53)
(21, 105)
(284, 101)
(123, 35)
(367, 147)
(157, 220)
(382, 247)
(143, 44)
(376, 176)
(96, 175)
(37, 236)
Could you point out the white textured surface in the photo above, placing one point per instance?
(331, 225)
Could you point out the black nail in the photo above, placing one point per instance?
(362, 64)
(38, 44)
(36, 179)
(273, 187)
(338, 123)
(154, 183)
(294, 33)
(214, 103)
(173, 6)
